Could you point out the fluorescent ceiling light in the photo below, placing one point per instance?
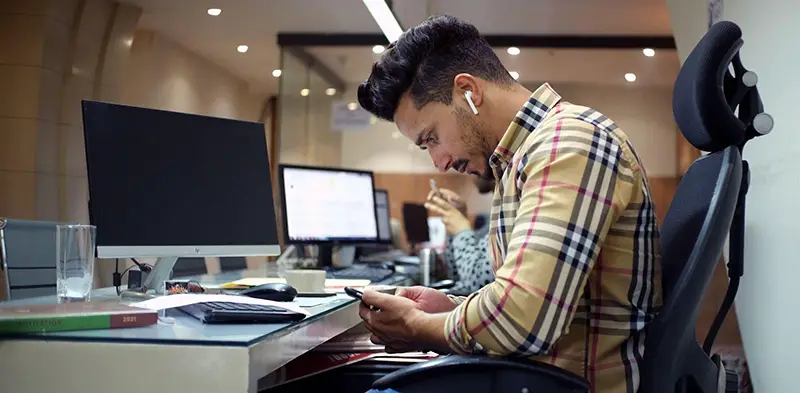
(385, 19)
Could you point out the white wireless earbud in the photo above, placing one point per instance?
(468, 95)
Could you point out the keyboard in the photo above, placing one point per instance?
(374, 274)
(230, 312)
(383, 256)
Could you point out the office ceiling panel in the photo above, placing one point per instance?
(255, 23)
(591, 66)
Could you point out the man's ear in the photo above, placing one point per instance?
(466, 82)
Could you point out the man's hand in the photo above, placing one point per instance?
(401, 325)
(428, 299)
(452, 198)
(454, 220)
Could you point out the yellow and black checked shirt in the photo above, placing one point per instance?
(575, 246)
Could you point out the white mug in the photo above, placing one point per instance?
(306, 281)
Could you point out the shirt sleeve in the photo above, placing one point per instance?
(470, 260)
(573, 183)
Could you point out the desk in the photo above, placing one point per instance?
(185, 356)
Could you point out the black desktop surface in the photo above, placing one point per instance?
(159, 178)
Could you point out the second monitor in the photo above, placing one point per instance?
(328, 207)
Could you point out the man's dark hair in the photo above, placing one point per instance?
(426, 59)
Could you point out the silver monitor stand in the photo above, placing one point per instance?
(155, 281)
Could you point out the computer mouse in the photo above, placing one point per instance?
(277, 292)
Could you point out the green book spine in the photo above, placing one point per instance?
(55, 324)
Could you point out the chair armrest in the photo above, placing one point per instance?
(443, 284)
(465, 374)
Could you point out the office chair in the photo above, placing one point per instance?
(28, 257)
(708, 206)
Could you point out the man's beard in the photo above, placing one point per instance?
(477, 142)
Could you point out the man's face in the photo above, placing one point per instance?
(449, 133)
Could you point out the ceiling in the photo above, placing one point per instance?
(256, 22)
(586, 66)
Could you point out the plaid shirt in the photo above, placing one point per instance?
(575, 247)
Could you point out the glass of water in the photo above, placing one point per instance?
(75, 262)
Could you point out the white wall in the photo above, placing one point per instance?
(162, 74)
(768, 301)
(645, 114)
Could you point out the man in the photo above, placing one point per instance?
(573, 238)
(466, 254)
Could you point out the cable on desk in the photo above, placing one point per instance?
(143, 267)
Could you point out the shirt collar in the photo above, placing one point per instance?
(528, 118)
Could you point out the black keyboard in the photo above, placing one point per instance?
(229, 312)
(373, 274)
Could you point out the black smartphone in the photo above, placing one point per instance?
(352, 292)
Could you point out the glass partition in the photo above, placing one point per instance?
(305, 99)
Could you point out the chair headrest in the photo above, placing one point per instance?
(700, 101)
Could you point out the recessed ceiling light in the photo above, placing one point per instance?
(276, 73)
(330, 91)
(304, 92)
(214, 11)
(649, 52)
(378, 49)
(630, 77)
(513, 51)
(514, 74)
(352, 106)
(242, 48)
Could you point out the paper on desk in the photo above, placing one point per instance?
(185, 299)
(330, 283)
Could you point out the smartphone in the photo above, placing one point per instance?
(352, 292)
(435, 189)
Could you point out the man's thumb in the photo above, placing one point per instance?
(378, 299)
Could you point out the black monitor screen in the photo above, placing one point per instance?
(415, 220)
(159, 178)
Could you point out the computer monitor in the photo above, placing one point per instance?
(383, 211)
(327, 207)
(415, 221)
(168, 185)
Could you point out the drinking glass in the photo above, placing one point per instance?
(75, 262)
